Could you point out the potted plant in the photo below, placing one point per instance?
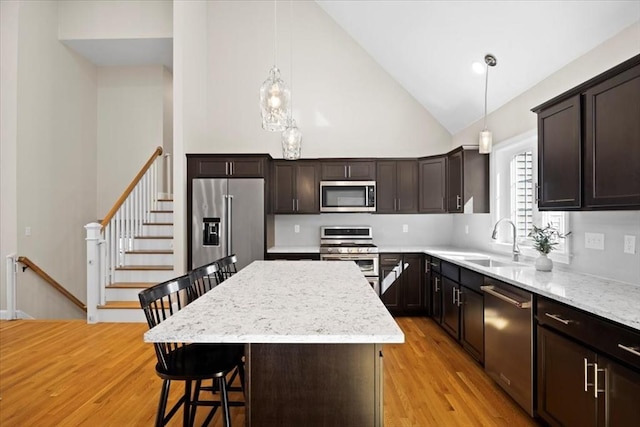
(544, 241)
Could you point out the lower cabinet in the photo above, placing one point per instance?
(434, 288)
(580, 382)
(293, 256)
(462, 314)
(406, 293)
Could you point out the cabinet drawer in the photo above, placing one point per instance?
(614, 340)
(451, 271)
(471, 279)
(618, 341)
(575, 323)
(392, 259)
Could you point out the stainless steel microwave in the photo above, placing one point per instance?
(347, 196)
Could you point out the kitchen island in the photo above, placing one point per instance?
(313, 334)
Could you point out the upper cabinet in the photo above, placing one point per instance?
(295, 187)
(397, 186)
(225, 166)
(612, 149)
(559, 154)
(432, 185)
(467, 181)
(350, 170)
(589, 143)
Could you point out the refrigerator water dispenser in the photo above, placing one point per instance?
(211, 231)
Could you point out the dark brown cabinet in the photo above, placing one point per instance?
(589, 143)
(435, 288)
(588, 369)
(432, 185)
(397, 186)
(463, 308)
(225, 166)
(559, 154)
(612, 149)
(295, 187)
(467, 181)
(293, 256)
(352, 170)
(406, 295)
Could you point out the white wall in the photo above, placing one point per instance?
(115, 19)
(515, 118)
(56, 161)
(9, 13)
(344, 102)
(130, 126)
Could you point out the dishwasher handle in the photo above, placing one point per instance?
(491, 290)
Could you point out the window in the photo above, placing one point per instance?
(514, 163)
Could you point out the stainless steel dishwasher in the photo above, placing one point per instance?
(508, 340)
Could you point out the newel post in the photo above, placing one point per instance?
(93, 271)
(11, 286)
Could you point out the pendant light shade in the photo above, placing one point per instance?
(291, 141)
(485, 139)
(275, 100)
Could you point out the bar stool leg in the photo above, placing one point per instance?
(162, 404)
(187, 404)
(222, 382)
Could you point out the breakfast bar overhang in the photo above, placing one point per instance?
(313, 334)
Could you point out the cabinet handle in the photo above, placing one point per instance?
(586, 373)
(492, 291)
(459, 299)
(297, 205)
(632, 350)
(226, 168)
(349, 169)
(556, 317)
(437, 280)
(458, 202)
(455, 291)
(399, 204)
(231, 168)
(293, 205)
(346, 174)
(596, 390)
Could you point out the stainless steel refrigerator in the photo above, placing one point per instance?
(227, 218)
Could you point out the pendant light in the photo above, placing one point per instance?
(274, 94)
(485, 139)
(291, 136)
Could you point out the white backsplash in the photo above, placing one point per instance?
(610, 263)
(474, 231)
(387, 229)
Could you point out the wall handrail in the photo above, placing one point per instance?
(130, 188)
(51, 281)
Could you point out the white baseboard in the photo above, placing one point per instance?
(4, 315)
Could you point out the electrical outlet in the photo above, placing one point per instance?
(594, 241)
(27, 231)
(630, 244)
(296, 228)
(405, 228)
(466, 229)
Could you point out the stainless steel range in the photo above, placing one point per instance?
(351, 244)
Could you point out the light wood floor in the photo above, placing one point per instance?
(55, 373)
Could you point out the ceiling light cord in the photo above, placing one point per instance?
(486, 91)
(275, 32)
(291, 56)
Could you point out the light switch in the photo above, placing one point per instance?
(630, 244)
(594, 241)
(296, 228)
(405, 228)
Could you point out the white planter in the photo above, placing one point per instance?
(543, 263)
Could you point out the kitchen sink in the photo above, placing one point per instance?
(488, 262)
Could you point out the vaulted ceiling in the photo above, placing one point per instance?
(429, 46)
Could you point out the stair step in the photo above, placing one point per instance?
(150, 252)
(120, 305)
(131, 285)
(144, 267)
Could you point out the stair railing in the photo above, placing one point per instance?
(108, 240)
(12, 261)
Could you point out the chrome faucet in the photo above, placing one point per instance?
(516, 249)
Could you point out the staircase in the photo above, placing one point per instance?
(149, 263)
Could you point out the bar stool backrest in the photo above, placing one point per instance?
(227, 267)
(204, 278)
(160, 302)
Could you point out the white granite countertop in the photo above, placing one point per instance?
(613, 300)
(285, 302)
(293, 249)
